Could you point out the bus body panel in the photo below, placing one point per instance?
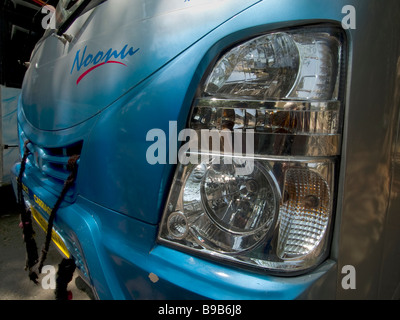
(110, 221)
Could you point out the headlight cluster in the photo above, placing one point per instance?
(283, 88)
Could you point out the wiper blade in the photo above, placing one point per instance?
(64, 27)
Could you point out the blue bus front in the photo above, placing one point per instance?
(129, 85)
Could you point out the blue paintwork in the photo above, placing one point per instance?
(112, 226)
(153, 27)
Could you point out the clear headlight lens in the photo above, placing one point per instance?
(228, 212)
(277, 217)
(280, 65)
(283, 88)
(266, 66)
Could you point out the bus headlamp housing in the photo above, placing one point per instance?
(283, 89)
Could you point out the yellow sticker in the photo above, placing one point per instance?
(54, 235)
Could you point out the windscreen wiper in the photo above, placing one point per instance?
(64, 27)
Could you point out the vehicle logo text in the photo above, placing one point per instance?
(84, 60)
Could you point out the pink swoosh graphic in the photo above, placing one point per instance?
(95, 67)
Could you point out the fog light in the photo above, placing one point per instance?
(177, 225)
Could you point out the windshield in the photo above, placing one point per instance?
(65, 9)
(65, 14)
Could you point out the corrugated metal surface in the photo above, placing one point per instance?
(8, 132)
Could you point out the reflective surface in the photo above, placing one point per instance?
(265, 67)
(159, 30)
(304, 214)
(281, 128)
(225, 211)
(284, 65)
(238, 203)
(276, 217)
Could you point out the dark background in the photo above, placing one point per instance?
(20, 29)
